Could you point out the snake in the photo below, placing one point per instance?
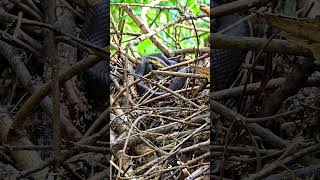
(145, 66)
(224, 62)
(96, 31)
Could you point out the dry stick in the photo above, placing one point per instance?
(9, 18)
(146, 5)
(197, 38)
(16, 61)
(67, 56)
(174, 94)
(177, 147)
(150, 133)
(295, 80)
(248, 66)
(152, 146)
(254, 63)
(247, 150)
(195, 146)
(147, 134)
(74, 174)
(253, 88)
(147, 95)
(75, 146)
(145, 29)
(27, 9)
(23, 159)
(235, 6)
(34, 170)
(240, 119)
(221, 41)
(227, 139)
(199, 172)
(126, 33)
(126, 81)
(99, 175)
(117, 97)
(276, 116)
(119, 169)
(127, 139)
(204, 156)
(151, 33)
(122, 52)
(290, 26)
(311, 171)
(175, 120)
(165, 95)
(155, 173)
(29, 40)
(310, 107)
(273, 166)
(33, 6)
(66, 154)
(43, 91)
(153, 164)
(54, 61)
(104, 115)
(265, 134)
(72, 9)
(17, 28)
(179, 74)
(238, 22)
(17, 42)
(190, 28)
(192, 50)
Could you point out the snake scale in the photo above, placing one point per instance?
(224, 63)
(145, 67)
(96, 31)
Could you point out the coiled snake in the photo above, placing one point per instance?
(96, 31)
(224, 63)
(145, 67)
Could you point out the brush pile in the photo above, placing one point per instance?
(266, 125)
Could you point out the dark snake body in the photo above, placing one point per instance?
(96, 31)
(145, 67)
(224, 63)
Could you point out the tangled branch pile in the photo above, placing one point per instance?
(158, 136)
(266, 126)
(29, 44)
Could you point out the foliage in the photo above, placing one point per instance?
(175, 37)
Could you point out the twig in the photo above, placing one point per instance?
(235, 6)
(221, 41)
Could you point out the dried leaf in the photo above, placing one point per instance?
(313, 46)
(203, 71)
(305, 28)
(205, 9)
(301, 31)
